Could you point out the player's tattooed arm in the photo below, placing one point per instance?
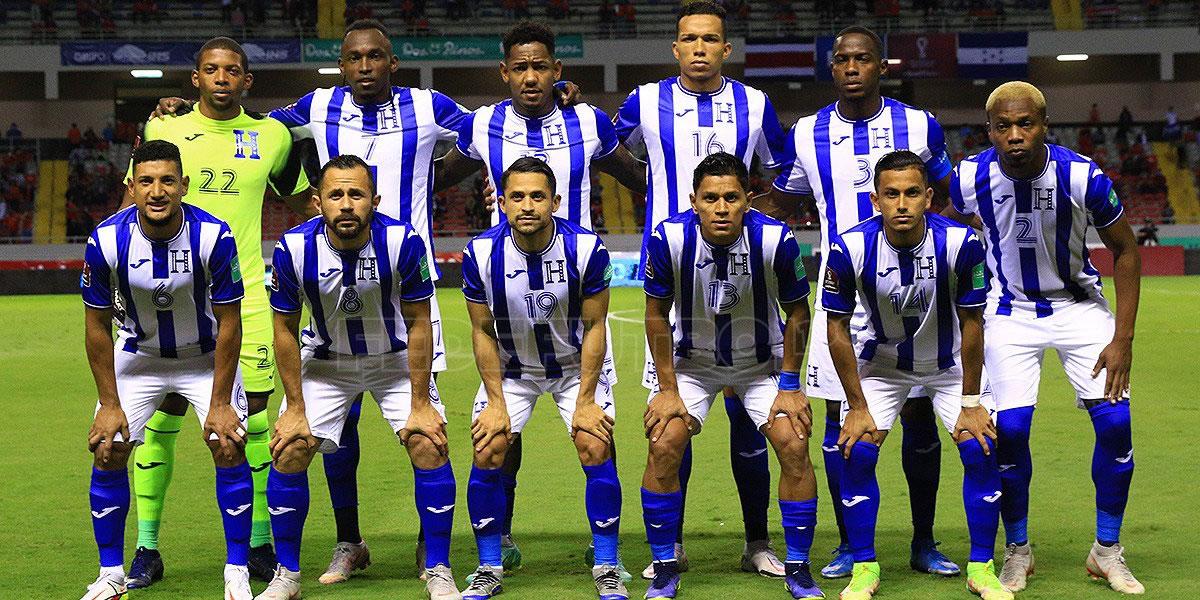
(1117, 358)
(858, 421)
(424, 419)
(625, 168)
(110, 419)
(589, 417)
(292, 424)
(666, 404)
(793, 404)
(453, 168)
(222, 422)
(974, 421)
(493, 421)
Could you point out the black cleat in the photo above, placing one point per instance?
(261, 562)
(147, 567)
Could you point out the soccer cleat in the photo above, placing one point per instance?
(799, 582)
(926, 558)
(665, 583)
(608, 583)
(589, 559)
(864, 581)
(485, 583)
(841, 565)
(1018, 565)
(285, 585)
(510, 554)
(108, 586)
(261, 563)
(347, 558)
(439, 584)
(982, 580)
(146, 568)
(1108, 562)
(421, 559)
(759, 557)
(681, 563)
(237, 583)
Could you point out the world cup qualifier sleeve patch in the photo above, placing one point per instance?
(978, 281)
(424, 266)
(832, 285)
(235, 270)
(608, 273)
(800, 273)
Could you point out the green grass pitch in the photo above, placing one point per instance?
(47, 397)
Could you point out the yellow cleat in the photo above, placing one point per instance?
(982, 580)
(864, 581)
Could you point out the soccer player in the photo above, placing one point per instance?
(537, 294)
(1036, 202)
(681, 120)
(365, 280)
(836, 150)
(230, 157)
(922, 280)
(167, 273)
(725, 271)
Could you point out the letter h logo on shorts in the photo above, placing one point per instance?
(246, 140)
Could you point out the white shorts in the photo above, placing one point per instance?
(821, 379)
(1014, 347)
(699, 382)
(143, 382)
(439, 345)
(330, 387)
(886, 389)
(520, 396)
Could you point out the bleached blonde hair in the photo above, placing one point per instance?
(1017, 90)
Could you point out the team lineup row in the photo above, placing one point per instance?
(1034, 203)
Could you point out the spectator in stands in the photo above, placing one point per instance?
(90, 139)
(1085, 144)
(74, 136)
(627, 16)
(1094, 114)
(1171, 129)
(13, 134)
(145, 11)
(1124, 124)
(1148, 234)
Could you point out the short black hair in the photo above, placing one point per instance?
(529, 164)
(860, 30)
(702, 7)
(155, 150)
(529, 32)
(721, 164)
(344, 162)
(365, 25)
(223, 43)
(899, 161)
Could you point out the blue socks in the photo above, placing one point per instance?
(981, 497)
(1016, 470)
(1112, 467)
(662, 514)
(486, 505)
(235, 498)
(685, 474)
(509, 481)
(749, 459)
(799, 523)
(341, 467)
(435, 490)
(603, 502)
(860, 500)
(287, 501)
(921, 455)
(834, 465)
(109, 497)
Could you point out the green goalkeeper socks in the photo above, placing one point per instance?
(258, 454)
(154, 462)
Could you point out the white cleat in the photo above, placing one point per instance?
(108, 586)
(347, 558)
(681, 559)
(237, 583)
(1018, 566)
(439, 584)
(284, 586)
(1108, 562)
(759, 557)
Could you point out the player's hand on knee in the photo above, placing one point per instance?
(492, 421)
(590, 418)
(427, 421)
(1116, 360)
(793, 405)
(169, 106)
(857, 424)
(223, 427)
(975, 422)
(291, 427)
(665, 405)
(109, 421)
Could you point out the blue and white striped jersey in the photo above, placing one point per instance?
(726, 298)
(680, 128)
(835, 159)
(568, 139)
(162, 292)
(396, 140)
(536, 299)
(1036, 228)
(910, 294)
(354, 297)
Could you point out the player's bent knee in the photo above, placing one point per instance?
(424, 453)
(592, 450)
(493, 454)
(221, 458)
(295, 457)
(118, 457)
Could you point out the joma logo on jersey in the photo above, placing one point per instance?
(555, 271)
(245, 140)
